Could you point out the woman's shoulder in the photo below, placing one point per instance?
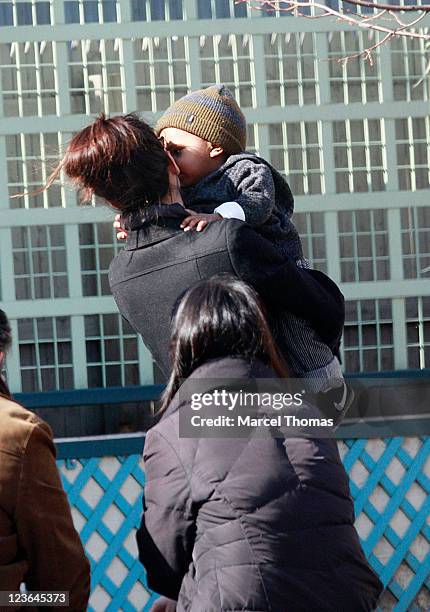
(232, 366)
(17, 425)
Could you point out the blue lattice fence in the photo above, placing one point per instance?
(106, 498)
(390, 484)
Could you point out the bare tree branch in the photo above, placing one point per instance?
(387, 20)
(389, 7)
(365, 22)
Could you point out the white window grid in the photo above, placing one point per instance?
(229, 59)
(259, 131)
(222, 9)
(353, 80)
(413, 152)
(161, 71)
(92, 11)
(415, 229)
(112, 351)
(157, 10)
(26, 12)
(409, 61)
(360, 155)
(28, 79)
(40, 263)
(368, 343)
(291, 69)
(418, 331)
(278, 9)
(96, 76)
(45, 353)
(364, 245)
(311, 228)
(30, 160)
(252, 138)
(98, 246)
(296, 151)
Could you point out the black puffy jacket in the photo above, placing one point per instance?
(252, 523)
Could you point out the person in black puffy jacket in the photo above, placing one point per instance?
(256, 523)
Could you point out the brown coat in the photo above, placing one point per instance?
(38, 542)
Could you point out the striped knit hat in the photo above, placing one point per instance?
(211, 113)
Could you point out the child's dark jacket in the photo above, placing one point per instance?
(260, 190)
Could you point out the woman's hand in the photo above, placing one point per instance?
(198, 220)
(121, 234)
(163, 604)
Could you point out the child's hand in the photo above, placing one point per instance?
(198, 220)
(121, 233)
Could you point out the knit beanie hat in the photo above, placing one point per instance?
(211, 113)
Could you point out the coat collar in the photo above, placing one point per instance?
(154, 224)
(236, 368)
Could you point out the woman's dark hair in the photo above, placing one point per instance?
(5, 342)
(119, 159)
(219, 317)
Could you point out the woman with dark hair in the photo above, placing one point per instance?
(257, 523)
(122, 161)
(38, 542)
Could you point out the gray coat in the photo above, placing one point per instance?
(259, 524)
(160, 261)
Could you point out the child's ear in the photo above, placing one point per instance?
(216, 152)
(172, 165)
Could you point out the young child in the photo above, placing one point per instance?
(205, 132)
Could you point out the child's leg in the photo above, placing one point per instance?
(308, 357)
(306, 354)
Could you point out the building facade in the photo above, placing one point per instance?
(352, 138)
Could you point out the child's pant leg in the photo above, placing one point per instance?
(305, 353)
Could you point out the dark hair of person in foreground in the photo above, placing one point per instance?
(5, 343)
(219, 317)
